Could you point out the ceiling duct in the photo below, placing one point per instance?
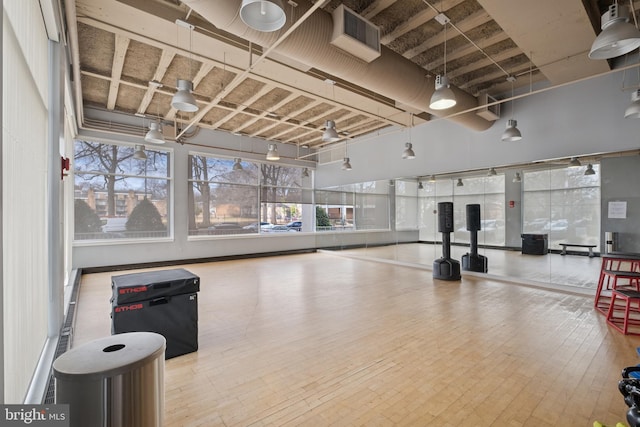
(488, 112)
(390, 75)
(354, 34)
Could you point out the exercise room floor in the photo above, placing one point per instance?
(324, 339)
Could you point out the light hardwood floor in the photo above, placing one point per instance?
(327, 340)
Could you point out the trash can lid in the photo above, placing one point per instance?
(109, 356)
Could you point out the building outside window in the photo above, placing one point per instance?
(119, 196)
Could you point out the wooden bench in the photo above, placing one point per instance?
(565, 245)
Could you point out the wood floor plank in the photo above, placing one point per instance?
(323, 340)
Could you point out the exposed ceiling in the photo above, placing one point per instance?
(130, 53)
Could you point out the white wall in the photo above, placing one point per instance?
(577, 119)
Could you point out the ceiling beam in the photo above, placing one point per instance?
(415, 21)
(119, 53)
(472, 21)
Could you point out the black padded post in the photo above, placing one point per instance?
(472, 261)
(473, 217)
(446, 268)
(445, 217)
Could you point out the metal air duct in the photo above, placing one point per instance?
(390, 75)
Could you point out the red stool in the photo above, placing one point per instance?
(622, 323)
(609, 280)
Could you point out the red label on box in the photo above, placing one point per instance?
(132, 290)
(128, 308)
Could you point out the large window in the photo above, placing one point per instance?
(238, 197)
(120, 194)
(563, 203)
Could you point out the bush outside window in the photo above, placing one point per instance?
(118, 196)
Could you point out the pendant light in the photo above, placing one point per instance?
(618, 35)
(574, 163)
(346, 164)
(139, 153)
(305, 173)
(237, 165)
(183, 99)
(330, 133)
(633, 110)
(511, 133)
(408, 147)
(155, 135)
(443, 97)
(420, 186)
(432, 178)
(272, 152)
(408, 152)
(263, 15)
(492, 172)
(589, 170)
(517, 177)
(460, 183)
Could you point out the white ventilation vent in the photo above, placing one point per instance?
(489, 112)
(355, 35)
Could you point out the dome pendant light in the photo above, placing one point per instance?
(408, 151)
(237, 165)
(511, 132)
(443, 97)
(346, 164)
(633, 110)
(574, 163)
(272, 152)
(589, 170)
(155, 135)
(618, 35)
(263, 15)
(183, 99)
(139, 153)
(330, 134)
(408, 147)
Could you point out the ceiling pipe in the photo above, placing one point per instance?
(390, 75)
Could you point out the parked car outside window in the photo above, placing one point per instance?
(295, 225)
(115, 225)
(278, 229)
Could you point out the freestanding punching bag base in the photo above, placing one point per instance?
(446, 269)
(474, 262)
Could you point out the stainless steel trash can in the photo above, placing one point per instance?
(116, 381)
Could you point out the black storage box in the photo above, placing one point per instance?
(175, 317)
(535, 244)
(143, 286)
(165, 302)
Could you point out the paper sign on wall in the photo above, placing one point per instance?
(617, 210)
